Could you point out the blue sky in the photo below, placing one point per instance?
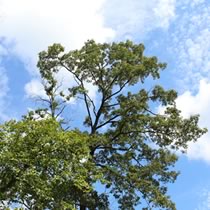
(177, 31)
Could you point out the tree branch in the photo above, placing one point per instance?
(61, 111)
(121, 87)
(112, 105)
(94, 127)
(84, 94)
(108, 121)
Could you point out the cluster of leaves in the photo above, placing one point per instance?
(128, 148)
(41, 165)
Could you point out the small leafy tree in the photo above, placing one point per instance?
(42, 166)
(130, 146)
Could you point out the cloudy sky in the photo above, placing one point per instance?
(177, 31)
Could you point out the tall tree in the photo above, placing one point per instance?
(130, 145)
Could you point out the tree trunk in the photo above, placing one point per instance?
(82, 207)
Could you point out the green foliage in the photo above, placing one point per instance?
(41, 165)
(128, 147)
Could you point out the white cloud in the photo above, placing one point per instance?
(164, 12)
(92, 91)
(66, 80)
(135, 18)
(190, 43)
(190, 47)
(34, 25)
(35, 89)
(31, 26)
(199, 103)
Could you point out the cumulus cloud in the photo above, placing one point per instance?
(34, 25)
(199, 103)
(29, 26)
(135, 18)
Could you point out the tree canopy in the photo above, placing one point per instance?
(40, 162)
(128, 147)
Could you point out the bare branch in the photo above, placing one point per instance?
(108, 121)
(151, 112)
(60, 112)
(112, 105)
